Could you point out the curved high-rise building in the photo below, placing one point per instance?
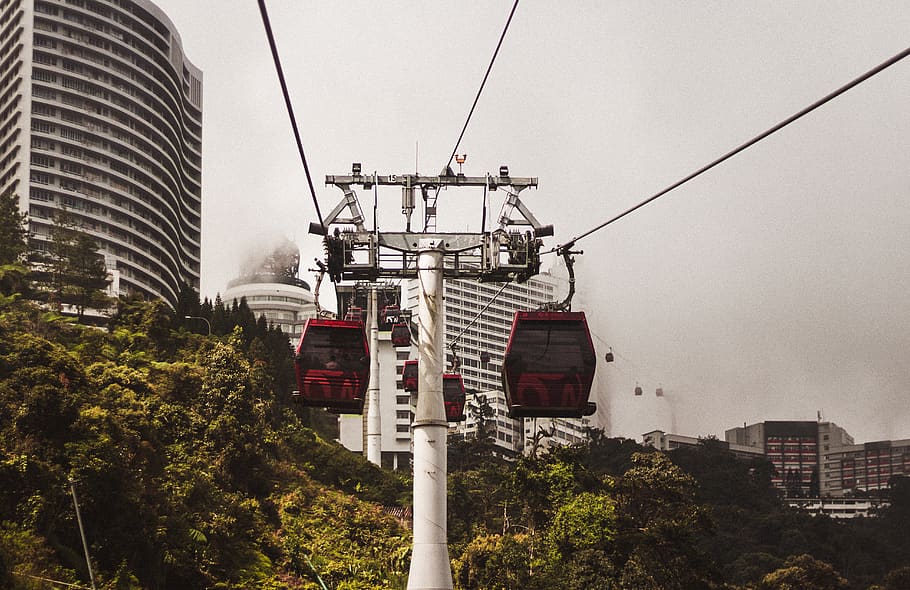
(101, 115)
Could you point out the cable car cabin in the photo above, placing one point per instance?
(332, 365)
(548, 369)
(409, 375)
(453, 397)
(401, 335)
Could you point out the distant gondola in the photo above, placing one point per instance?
(409, 375)
(401, 335)
(549, 364)
(332, 365)
(453, 397)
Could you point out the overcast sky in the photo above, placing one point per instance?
(773, 287)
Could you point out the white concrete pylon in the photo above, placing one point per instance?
(430, 567)
(374, 418)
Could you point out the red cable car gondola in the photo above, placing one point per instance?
(453, 397)
(401, 335)
(548, 368)
(409, 375)
(332, 365)
(390, 314)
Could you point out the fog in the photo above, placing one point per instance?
(772, 287)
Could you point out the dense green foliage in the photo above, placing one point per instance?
(609, 514)
(194, 470)
(190, 468)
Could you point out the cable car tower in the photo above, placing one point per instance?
(510, 252)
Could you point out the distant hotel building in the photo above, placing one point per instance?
(101, 115)
(664, 441)
(286, 303)
(271, 288)
(795, 449)
(865, 468)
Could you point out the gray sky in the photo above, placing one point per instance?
(773, 287)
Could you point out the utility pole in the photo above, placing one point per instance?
(356, 253)
(88, 559)
(374, 418)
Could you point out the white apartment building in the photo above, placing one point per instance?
(101, 115)
(396, 406)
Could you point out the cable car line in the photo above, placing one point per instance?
(290, 108)
(483, 83)
(855, 82)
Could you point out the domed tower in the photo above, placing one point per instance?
(271, 287)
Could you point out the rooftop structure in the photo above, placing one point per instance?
(271, 289)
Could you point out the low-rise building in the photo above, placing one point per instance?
(865, 468)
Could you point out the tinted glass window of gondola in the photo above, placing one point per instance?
(551, 346)
(332, 347)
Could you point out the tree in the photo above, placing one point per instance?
(660, 523)
(898, 579)
(13, 245)
(13, 233)
(71, 270)
(497, 562)
(804, 572)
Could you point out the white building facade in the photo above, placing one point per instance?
(101, 115)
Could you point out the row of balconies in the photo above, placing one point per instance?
(153, 133)
(96, 178)
(155, 85)
(125, 239)
(157, 203)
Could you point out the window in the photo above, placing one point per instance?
(403, 414)
(42, 126)
(44, 76)
(402, 400)
(42, 161)
(40, 178)
(402, 428)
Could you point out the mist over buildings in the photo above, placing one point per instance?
(772, 287)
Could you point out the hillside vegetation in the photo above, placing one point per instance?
(191, 468)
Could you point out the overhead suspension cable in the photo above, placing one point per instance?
(890, 62)
(482, 84)
(455, 340)
(290, 108)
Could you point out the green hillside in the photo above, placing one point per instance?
(191, 468)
